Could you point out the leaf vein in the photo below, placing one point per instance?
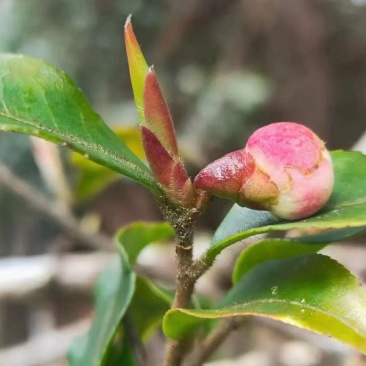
(76, 140)
(295, 303)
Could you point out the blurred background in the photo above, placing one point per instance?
(226, 67)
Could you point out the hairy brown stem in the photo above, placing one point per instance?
(185, 282)
(213, 341)
(188, 272)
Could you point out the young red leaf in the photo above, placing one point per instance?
(157, 114)
(169, 172)
(157, 127)
(161, 163)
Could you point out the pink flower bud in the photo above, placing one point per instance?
(285, 168)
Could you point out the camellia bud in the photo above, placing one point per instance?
(284, 168)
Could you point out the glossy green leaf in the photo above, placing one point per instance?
(332, 236)
(346, 208)
(273, 249)
(313, 292)
(136, 236)
(113, 293)
(143, 317)
(270, 249)
(38, 99)
(149, 302)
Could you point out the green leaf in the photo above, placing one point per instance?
(136, 236)
(38, 99)
(313, 292)
(148, 306)
(127, 356)
(121, 350)
(113, 293)
(272, 249)
(332, 236)
(116, 289)
(77, 350)
(346, 208)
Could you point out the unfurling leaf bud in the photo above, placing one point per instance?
(156, 125)
(284, 168)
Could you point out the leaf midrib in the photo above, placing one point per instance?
(357, 201)
(74, 139)
(265, 301)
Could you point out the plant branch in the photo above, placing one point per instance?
(201, 265)
(189, 272)
(185, 281)
(39, 202)
(213, 341)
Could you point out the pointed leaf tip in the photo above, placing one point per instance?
(137, 66)
(128, 21)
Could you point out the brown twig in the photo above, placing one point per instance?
(39, 202)
(185, 280)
